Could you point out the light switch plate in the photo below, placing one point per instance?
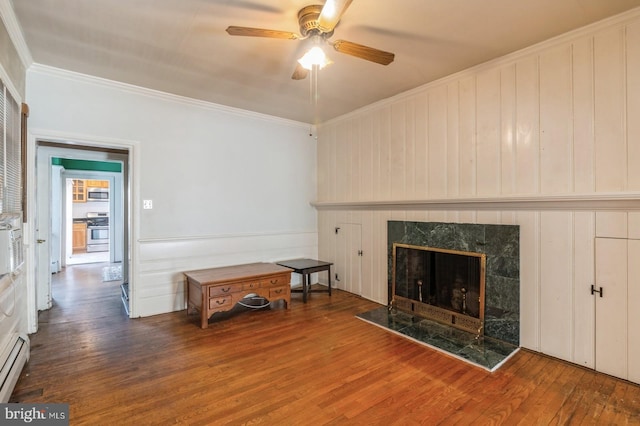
(147, 204)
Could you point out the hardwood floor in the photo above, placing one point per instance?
(315, 364)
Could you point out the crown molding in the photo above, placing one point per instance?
(15, 32)
(159, 95)
(571, 202)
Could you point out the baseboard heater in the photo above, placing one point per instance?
(13, 360)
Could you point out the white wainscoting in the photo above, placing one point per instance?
(159, 285)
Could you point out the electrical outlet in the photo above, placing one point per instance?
(147, 204)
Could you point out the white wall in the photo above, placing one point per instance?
(547, 138)
(227, 186)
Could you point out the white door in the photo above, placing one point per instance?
(633, 319)
(42, 231)
(611, 306)
(348, 265)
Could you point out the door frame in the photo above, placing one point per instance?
(68, 144)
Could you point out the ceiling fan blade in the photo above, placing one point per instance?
(364, 52)
(300, 73)
(261, 32)
(331, 13)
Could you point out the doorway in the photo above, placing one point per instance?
(60, 207)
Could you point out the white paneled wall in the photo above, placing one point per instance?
(551, 123)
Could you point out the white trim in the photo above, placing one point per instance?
(617, 20)
(15, 32)
(222, 236)
(590, 202)
(10, 86)
(156, 94)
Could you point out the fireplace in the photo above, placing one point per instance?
(497, 247)
(443, 285)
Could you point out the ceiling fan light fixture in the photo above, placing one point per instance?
(314, 56)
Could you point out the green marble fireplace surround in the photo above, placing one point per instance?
(500, 244)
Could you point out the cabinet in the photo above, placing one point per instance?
(348, 259)
(616, 289)
(79, 237)
(90, 183)
(79, 191)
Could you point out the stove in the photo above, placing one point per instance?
(97, 231)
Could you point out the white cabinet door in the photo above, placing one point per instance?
(348, 263)
(611, 306)
(633, 320)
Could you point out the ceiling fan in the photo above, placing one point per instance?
(317, 23)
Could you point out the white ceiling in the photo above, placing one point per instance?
(181, 47)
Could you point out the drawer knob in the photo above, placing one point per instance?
(226, 290)
(221, 302)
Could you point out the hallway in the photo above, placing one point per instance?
(79, 294)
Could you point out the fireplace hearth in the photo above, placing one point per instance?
(468, 274)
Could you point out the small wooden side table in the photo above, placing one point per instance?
(306, 267)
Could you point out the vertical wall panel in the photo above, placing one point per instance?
(507, 129)
(323, 170)
(610, 148)
(421, 146)
(527, 127)
(555, 121)
(366, 155)
(453, 154)
(341, 160)
(633, 105)
(350, 160)
(437, 129)
(383, 120)
(398, 151)
(410, 149)
(355, 188)
(556, 284)
(467, 137)
(488, 137)
(583, 104)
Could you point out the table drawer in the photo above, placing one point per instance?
(223, 303)
(277, 292)
(223, 290)
(276, 281)
(250, 285)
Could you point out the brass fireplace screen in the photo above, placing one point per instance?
(443, 285)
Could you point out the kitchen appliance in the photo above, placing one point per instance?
(97, 194)
(97, 231)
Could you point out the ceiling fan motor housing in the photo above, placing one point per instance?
(308, 20)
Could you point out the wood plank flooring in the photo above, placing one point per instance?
(315, 364)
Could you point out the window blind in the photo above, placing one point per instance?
(10, 153)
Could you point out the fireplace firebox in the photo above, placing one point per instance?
(443, 285)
